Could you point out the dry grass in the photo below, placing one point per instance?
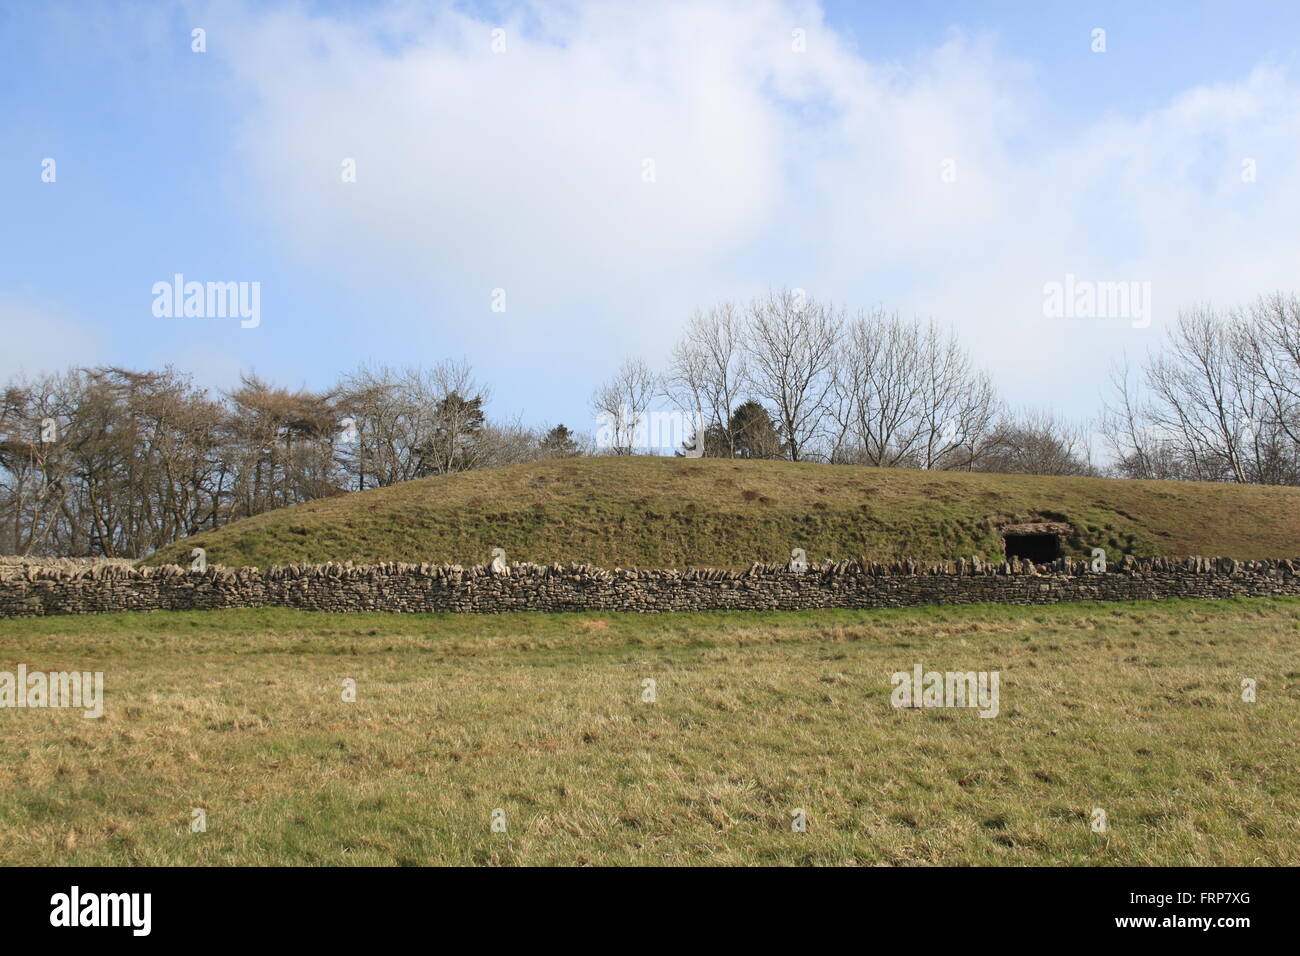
(1132, 708)
(20, 560)
(662, 512)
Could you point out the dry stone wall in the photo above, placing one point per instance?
(487, 589)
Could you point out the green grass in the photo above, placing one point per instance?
(1133, 708)
(659, 512)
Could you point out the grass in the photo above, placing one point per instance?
(1133, 708)
(662, 512)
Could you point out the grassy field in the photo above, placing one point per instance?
(1135, 709)
(664, 512)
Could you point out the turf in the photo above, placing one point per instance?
(663, 512)
(1135, 709)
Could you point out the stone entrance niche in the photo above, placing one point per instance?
(1040, 542)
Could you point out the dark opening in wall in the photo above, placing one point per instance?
(1038, 541)
(1038, 548)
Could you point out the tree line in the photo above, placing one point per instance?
(1221, 402)
(113, 462)
(786, 376)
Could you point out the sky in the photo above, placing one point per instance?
(544, 190)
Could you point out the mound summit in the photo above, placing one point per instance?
(712, 512)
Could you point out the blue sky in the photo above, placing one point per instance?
(523, 170)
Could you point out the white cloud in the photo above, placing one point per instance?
(523, 170)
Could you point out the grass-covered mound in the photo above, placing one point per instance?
(662, 512)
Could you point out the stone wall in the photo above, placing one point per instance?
(36, 591)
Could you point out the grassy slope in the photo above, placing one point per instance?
(1132, 708)
(642, 512)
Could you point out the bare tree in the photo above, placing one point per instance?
(957, 403)
(1137, 450)
(908, 394)
(707, 372)
(1202, 396)
(1037, 443)
(620, 405)
(457, 420)
(878, 409)
(379, 428)
(411, 424)
(508, 443)
(114, 462)
(790, 349)
(1268, 348)
(107, 461)
(1218, 403)
(38, 485)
